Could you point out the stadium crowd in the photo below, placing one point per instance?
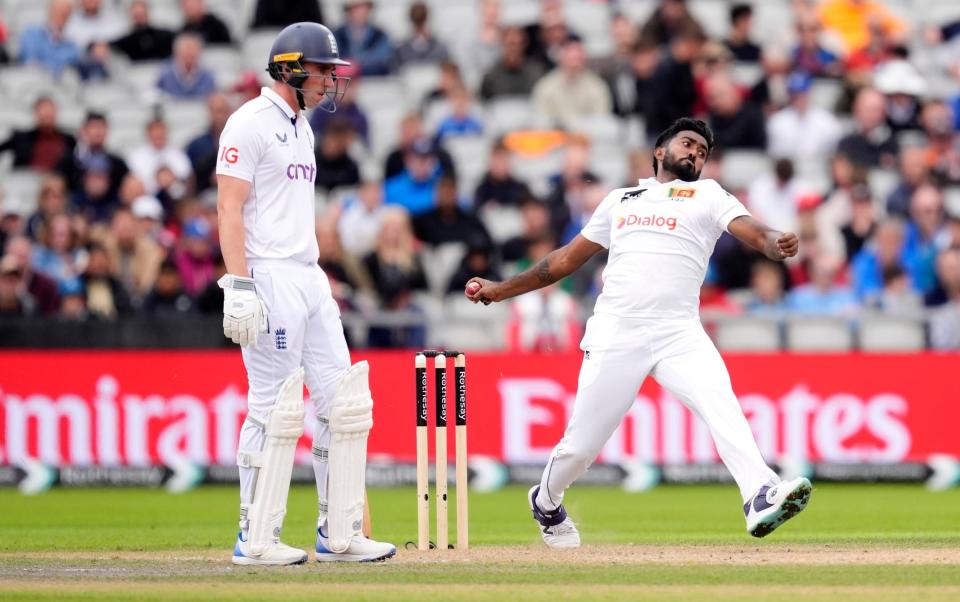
(842, 128)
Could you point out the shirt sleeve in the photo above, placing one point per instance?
(727, 208)
(598, 228)
(240, 150)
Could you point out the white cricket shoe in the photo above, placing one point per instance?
(775, 504)
(556, 528)
(275, 554)
(360, 549)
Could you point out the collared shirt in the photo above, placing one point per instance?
(38, 45)
(269, 145)
(660, 238)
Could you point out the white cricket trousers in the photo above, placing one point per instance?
(304, 329)
(619, 353)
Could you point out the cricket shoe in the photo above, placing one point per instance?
(556, 528)
(775, 504)
(361, 549)
(276, 553)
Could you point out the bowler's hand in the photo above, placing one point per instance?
(788, 244)
(244, 315)
(483, 291)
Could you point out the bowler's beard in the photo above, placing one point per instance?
(682, 168)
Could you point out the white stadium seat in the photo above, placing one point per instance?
(818, 334)
(891, 333)
(750, 334)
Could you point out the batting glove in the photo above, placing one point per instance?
(244, 314)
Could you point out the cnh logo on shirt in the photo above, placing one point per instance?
(299, 171)
(656, 221)
(230, 154)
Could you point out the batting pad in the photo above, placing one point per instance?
(351, 418)
(283, 428)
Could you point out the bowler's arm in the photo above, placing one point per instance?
(774, 244)
(557, 265)
(231, 195)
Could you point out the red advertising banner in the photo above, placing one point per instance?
(136, 408)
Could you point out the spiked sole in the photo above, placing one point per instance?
(245, 561)
(329, 557)
(794, 504)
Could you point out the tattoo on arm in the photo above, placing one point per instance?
(543, 272)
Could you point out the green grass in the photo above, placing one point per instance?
(87, 544)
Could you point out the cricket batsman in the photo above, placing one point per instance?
(660, 235)
(279, 308)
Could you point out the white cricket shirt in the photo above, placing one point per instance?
(660, 238)
(268, 145)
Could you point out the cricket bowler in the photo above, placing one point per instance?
(660, 235)
(278, 306)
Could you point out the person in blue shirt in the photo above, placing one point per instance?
(414, 187)
(822, 295)
(921, 243)
(46, 45)
(184, 77)
(883, 251)
(461, 121)
(363, 43)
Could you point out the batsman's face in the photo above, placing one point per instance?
(322, 80)
(684, 156)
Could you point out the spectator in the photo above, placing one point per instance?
(47, 45)
(913, 173)
(882, 251)
(347, 109)
(670, 20)
(924, 234)
(45, 145)
(422, 46)
(202, 150)
(514, 74)
(15, 300)
(335, 166)
(4, 55)
(144, 42)
(863, 221)
(547, 320)
(809, 56)
(478, 50)
(210, 299)
(149, 215)
(942, 152)
(197, 20)
(42, 290)
(168, 298)
(134, 257)
(396, 271)
(616, 68)
(582, 206)
(673, 90)
(771, 91)
(413, 188)
(772, 197)
(105, 295)
(93, 23)
(645, 60)
(447, 221)
(498, 185)
(147, 161)
(568, 186)
(51, 200)
(450, 82)
(948, 278)
(571, 90)
(802, 131)
(350, 283)
(945, 320)
(411, 131)
(184, 77)
(194, 257)
(738, 41)
(823, 296)
(872, 144)
(714, 59)
(280, 13)
(59, 256)
(851, 20)
(90, 146)
(901, 86)
(477, 262)
(361, 219)
(767, 289)
(735, 124)
(73, 302)
(535, 215)
(897, 297)
(462, 120)
(13, 216)
(362, 42)
(95, 200)
(547, 37)
(849, 183)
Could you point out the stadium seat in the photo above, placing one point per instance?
(882, 182)
(825, 93)
(746, 74)
(536, 171)
(740, 168)
(519, 12)
(102, 96)
(713, 16)
(224, 62)
(256, 47)
(639, 10)
(603, 130)
(472, 327)
(610, 164)
(750, 334)
(891, 333)
(26, 83)
(394, 18)
(507, 113)
(503, 223)
(418, 81)
(439, 264)
(384, 124)
(21, 186)
(374, 93)
(815, 334)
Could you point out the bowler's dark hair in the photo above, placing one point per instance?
(684, 124)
